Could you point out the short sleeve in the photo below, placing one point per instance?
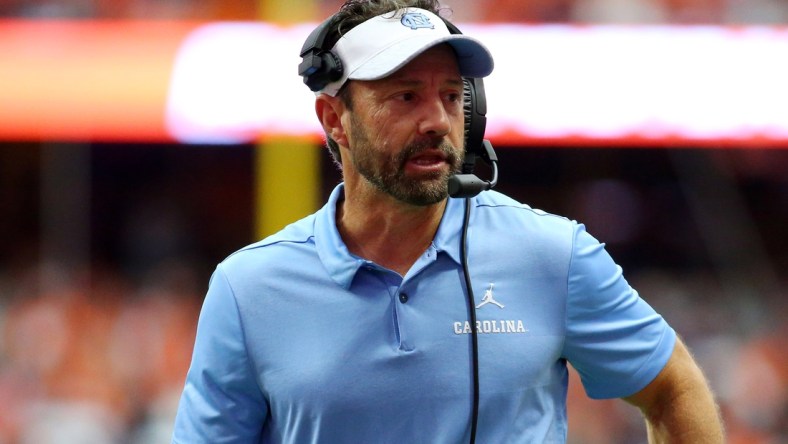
(614, 339)
(221, 401)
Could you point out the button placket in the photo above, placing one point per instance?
(401, 314)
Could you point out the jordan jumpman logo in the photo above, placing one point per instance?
(488, 298)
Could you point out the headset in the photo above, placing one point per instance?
(320, 66)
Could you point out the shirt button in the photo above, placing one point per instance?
(403, 298)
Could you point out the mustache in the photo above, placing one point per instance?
(416, 147)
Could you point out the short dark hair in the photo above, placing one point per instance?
(351, 14)
(355, 12)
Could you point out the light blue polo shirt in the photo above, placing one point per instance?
(300, 341)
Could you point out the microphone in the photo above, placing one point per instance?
(469, 185)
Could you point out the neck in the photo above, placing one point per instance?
(390, 233)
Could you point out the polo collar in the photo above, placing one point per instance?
(342, 265)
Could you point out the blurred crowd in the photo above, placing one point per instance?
(86, 357)
(529, 11)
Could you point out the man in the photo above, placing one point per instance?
(351, 325)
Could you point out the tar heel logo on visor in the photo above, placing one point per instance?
(490, 326)
(416, 20)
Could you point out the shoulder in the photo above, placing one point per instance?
(500, 211)
(522, 233)
(285, 247)
(493, 200)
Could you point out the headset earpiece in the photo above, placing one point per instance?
(319, 66)
(467, 184)
(475, 108)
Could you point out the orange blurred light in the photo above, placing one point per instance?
(82, 81)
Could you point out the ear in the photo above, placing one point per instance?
(329, 111)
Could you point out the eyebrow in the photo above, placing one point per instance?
(413, 83)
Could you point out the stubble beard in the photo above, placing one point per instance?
(387, 172)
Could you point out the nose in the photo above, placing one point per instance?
(434, 119)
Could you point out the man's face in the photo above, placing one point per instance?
(406, 131)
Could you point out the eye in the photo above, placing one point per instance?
(453, 97)
(407, 96)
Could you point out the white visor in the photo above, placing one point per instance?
(381, 45)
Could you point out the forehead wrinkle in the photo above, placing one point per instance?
(404, 80)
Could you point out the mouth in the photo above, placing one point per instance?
(432, 160)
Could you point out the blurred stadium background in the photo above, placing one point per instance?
(113, 212)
